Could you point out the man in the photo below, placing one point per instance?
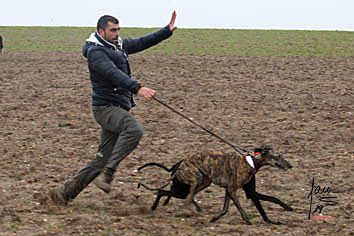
(112, 98)
(1, 45)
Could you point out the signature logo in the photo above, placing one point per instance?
(325, 200)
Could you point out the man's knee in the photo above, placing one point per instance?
(137, 131)
(133, 128)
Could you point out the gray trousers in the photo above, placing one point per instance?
(120, 134)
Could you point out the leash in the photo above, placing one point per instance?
(234, 146)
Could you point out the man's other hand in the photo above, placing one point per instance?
(147, 93)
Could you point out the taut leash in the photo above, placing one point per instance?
(234, 146)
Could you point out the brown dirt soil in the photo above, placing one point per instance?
(302, 106)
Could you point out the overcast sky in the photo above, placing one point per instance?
(250, 14)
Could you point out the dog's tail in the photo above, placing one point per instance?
(153, 164)
(154, 189)
(173, 169)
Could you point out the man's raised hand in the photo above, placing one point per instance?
(172, 22)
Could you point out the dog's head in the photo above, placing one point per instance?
(266, 156)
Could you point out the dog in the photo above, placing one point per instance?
(227, 170)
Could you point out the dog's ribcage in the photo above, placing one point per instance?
(223, 169)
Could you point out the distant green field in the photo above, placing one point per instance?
(192, 41)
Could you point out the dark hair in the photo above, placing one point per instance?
(103, 21)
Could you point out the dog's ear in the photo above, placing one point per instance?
(258, 151)
(263, 151)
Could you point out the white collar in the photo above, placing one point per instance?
(249, 160)
(93, 39)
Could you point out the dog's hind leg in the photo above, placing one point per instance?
(234, 198)
(160, 194)
(190, 198)
(197, 207)
(206, 183)
(201, 184)
(167, 200)
(178, 190)
(225, 208)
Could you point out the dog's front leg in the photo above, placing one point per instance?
(250, 190)
(253, 195)
(234, 197)
(200, 186)
(225, 208)
(274, 200)
(167, 200)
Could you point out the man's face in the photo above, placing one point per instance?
(111, 33)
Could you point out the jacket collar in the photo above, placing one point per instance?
(98, 40)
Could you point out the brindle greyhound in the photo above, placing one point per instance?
(228, 170)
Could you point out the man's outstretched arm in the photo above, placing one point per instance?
(141, 43)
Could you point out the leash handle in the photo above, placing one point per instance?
(238, 149)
